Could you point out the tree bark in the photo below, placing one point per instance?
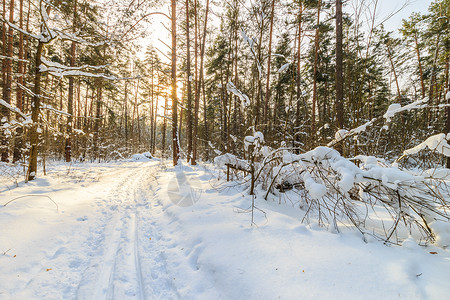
(126, 114)
(98, 106)
(197, 89)
(69, 134)
(202, 79)
(298, 79)
(339, 72)
(316, 61)
(447, 109)
(35, 110)
(269, 61)
(7, 85)
(18, 143)
(164, 127)
(422, 82)
(175, 145)
(152, 107)
(189, 87)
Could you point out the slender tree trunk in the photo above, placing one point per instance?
(18, 143)
(205, 121)
(78, 119)
(269, 61)
(434, 70)
(339, 72)
(180, 119)
(422, 82)
(316, 61)
(126, 114)
(9, 54)
(7, 85)
(69, 137)
(391, 60)
(152, 108)
(155, 115)
(228, 99)
(237, 105)
(164, 127)
(4, 60)
(189, 87)
(35, 110)
(197, 89)
(202, 79)
(298, 79)
(26, 55)
(98, 105)
(259, 94)
(133, 119)
(447, 109)
(175, 145)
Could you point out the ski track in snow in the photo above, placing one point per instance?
(120, 274)
(121, 255)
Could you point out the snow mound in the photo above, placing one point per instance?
(141, 157)
(441, 230)
(436, 142)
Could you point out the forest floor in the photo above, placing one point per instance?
(145, 230)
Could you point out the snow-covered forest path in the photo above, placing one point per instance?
(105, 242)
(146, 230)
(129, 235)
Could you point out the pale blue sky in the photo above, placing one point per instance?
(389, 6)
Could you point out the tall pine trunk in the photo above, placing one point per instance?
(7, 84)
(202, 79)
(175, 145)
(69, 135)
(316, 62)
(269, 61)
(197, 89)
(18, 143)
(35, 110)
(189, 87)
(339, 72)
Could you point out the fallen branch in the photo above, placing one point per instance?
(31, 195)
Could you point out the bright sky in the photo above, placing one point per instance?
(385, 8)
(389, 6)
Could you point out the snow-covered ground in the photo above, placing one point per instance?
(144, 230)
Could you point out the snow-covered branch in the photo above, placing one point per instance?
(30, 92)
(14, 109)
(284, 67)
(396, 108)
(337, 190)
(231, 88)
(51, 108)
(48, 34)
(51, 64)
(59, 70)
(251, 43)
(37, 37)
(436, 142)
(61, 73)
(342, 134)
(13, 58)
(72, 37)
(392, 110)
